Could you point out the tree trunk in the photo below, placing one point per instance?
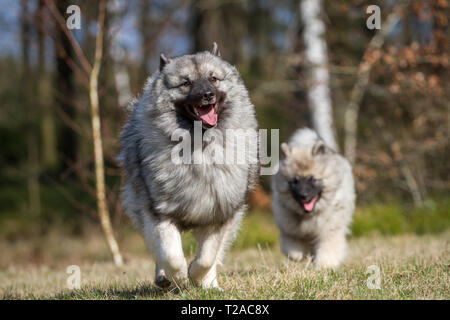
(93, 73)
(145, 27)
(118, 55)
(49, 154)
(96, 133)
(198, 17)
(318, 92)
(65, 91)
(32, 137)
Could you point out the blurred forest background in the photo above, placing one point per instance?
(400, 93)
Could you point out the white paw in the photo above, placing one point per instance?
(296, 256)
(327, 261)
(211, 285)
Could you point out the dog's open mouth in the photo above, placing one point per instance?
(207, 113)
(310, 204)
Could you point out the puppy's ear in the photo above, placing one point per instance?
(320, 149)
(286, 150)
(215, 50)
(163, 60)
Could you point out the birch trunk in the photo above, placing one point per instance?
(31, 115)
(48, 151)
(318, 94)
(93, 72)
(98, 148)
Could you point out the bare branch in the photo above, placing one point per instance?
(76, 46)
(362, 82)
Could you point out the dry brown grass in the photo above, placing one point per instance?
(412, 267)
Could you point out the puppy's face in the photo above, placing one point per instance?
(304, 172)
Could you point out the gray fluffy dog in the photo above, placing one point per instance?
(164, 198)
(313, 200)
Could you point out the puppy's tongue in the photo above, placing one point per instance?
(208, 115)
(309, 206)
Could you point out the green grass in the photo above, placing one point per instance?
(394, 218)
(411, 247)
(412, 267)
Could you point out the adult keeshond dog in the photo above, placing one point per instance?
(164, 197)
(313, 200)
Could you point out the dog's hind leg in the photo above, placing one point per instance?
(213, 243)
(163, 240)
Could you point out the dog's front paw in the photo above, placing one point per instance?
(329, 261)
(207, 280)
(211, 285)
(295, 255)
(331, 254)
(162, 282)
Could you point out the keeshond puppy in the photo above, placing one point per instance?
(313, 200)
(163, 197)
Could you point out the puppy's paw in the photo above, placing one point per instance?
(292, 248)
(295, 256)
(293, 253)
(329, 261)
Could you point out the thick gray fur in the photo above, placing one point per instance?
(163, 198)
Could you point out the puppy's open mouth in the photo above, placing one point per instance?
(309, 205)
(207, 113)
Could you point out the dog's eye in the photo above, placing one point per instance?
(213, 79)
(186, 83)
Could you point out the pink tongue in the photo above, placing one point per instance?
(207, 114)
(309, 206)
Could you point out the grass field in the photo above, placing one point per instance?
(412, 267)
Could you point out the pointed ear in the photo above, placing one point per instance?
(285, 149)
(320, 148)
(163, 60)
(215, 50)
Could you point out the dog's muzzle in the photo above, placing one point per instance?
(306, 191)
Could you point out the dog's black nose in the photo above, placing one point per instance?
(295, 180)
(208, 95)
(303, 187)
(305, 193)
